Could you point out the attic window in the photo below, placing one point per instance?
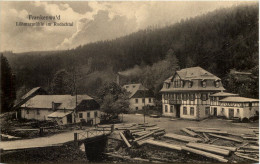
(217, 84)
(204, 84)
(190, 84)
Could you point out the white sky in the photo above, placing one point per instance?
(93, 21)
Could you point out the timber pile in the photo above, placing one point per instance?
(195, 140)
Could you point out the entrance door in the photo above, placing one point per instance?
(178, 111)
(231, 113)
(69, 118)
(215, 111)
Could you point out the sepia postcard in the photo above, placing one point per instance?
(129, 81)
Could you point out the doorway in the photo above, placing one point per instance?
(178, 110)
(231, 113)
(69, 118)
(215, 111)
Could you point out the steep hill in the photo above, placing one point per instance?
(218, 41)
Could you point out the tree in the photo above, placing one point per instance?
(62, 83)
(113, 99)
(8, 92)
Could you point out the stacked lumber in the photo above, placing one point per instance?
(209, 148)
(206, 154)
(191, 133)
(225, 138)
(163, 144)
(182, 137)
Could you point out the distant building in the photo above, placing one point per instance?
(186, 93)
(240, 107)
(215, 108)
(61, 108)
(139, 96)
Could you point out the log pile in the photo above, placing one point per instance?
(191, 140)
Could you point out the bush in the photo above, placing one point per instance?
(245, 120)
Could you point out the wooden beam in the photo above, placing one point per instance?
(209, 149)
(221, 147)
(163, 144)
(140, 138)
(191, 133)
(125, 140)
(210, 131)
(206, 154)
(182, 137)
(246, 157)
(225, 138)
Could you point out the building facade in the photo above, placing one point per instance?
(186, 93)
(139, 96)
(64, 109)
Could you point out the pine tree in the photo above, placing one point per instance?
(8, 92)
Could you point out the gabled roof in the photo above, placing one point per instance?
(238, 99)
(133, 88)
(64, 101)
(32, 91)
(219, 94)
(195, 73)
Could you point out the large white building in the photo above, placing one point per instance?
(64, 109)
(139, 96)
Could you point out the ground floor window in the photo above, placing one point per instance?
(136, 101)
(171, 109)
(95, 114)
(80, 115)
(166, 108)
(184, 110)
(207, 110)
(27, 111)
(237, 110)
(192, 111)
(222, 110)
(38, 112)
(150, 100)
(88, 114)
(143, 100)
(136, 108)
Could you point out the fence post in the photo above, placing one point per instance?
(112, 128)
(76, 139)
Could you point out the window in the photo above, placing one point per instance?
(95, 114)
(166, 108)
(237, 110)
(136, 108)
(27, 111)
(190, 84)
(204, 84)
(38, 112)
(207, 110)
(88, 114)
(184, 96)
(182, 84)
(171, 109)
(133, 86)
(204, 96)
(136, 101)
(184, 110)
(222, 110)
(192, 111)
(192, 96)
(127, 86)
(217, 84)
(143, 100)
(150, 100)
(179, 96)
(80, 115)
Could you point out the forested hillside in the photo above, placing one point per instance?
(218, 41)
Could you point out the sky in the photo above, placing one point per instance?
(92, 21)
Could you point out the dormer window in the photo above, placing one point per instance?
(204, 84)
(217, 84)
(190, 84)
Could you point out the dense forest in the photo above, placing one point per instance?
(218, 41)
